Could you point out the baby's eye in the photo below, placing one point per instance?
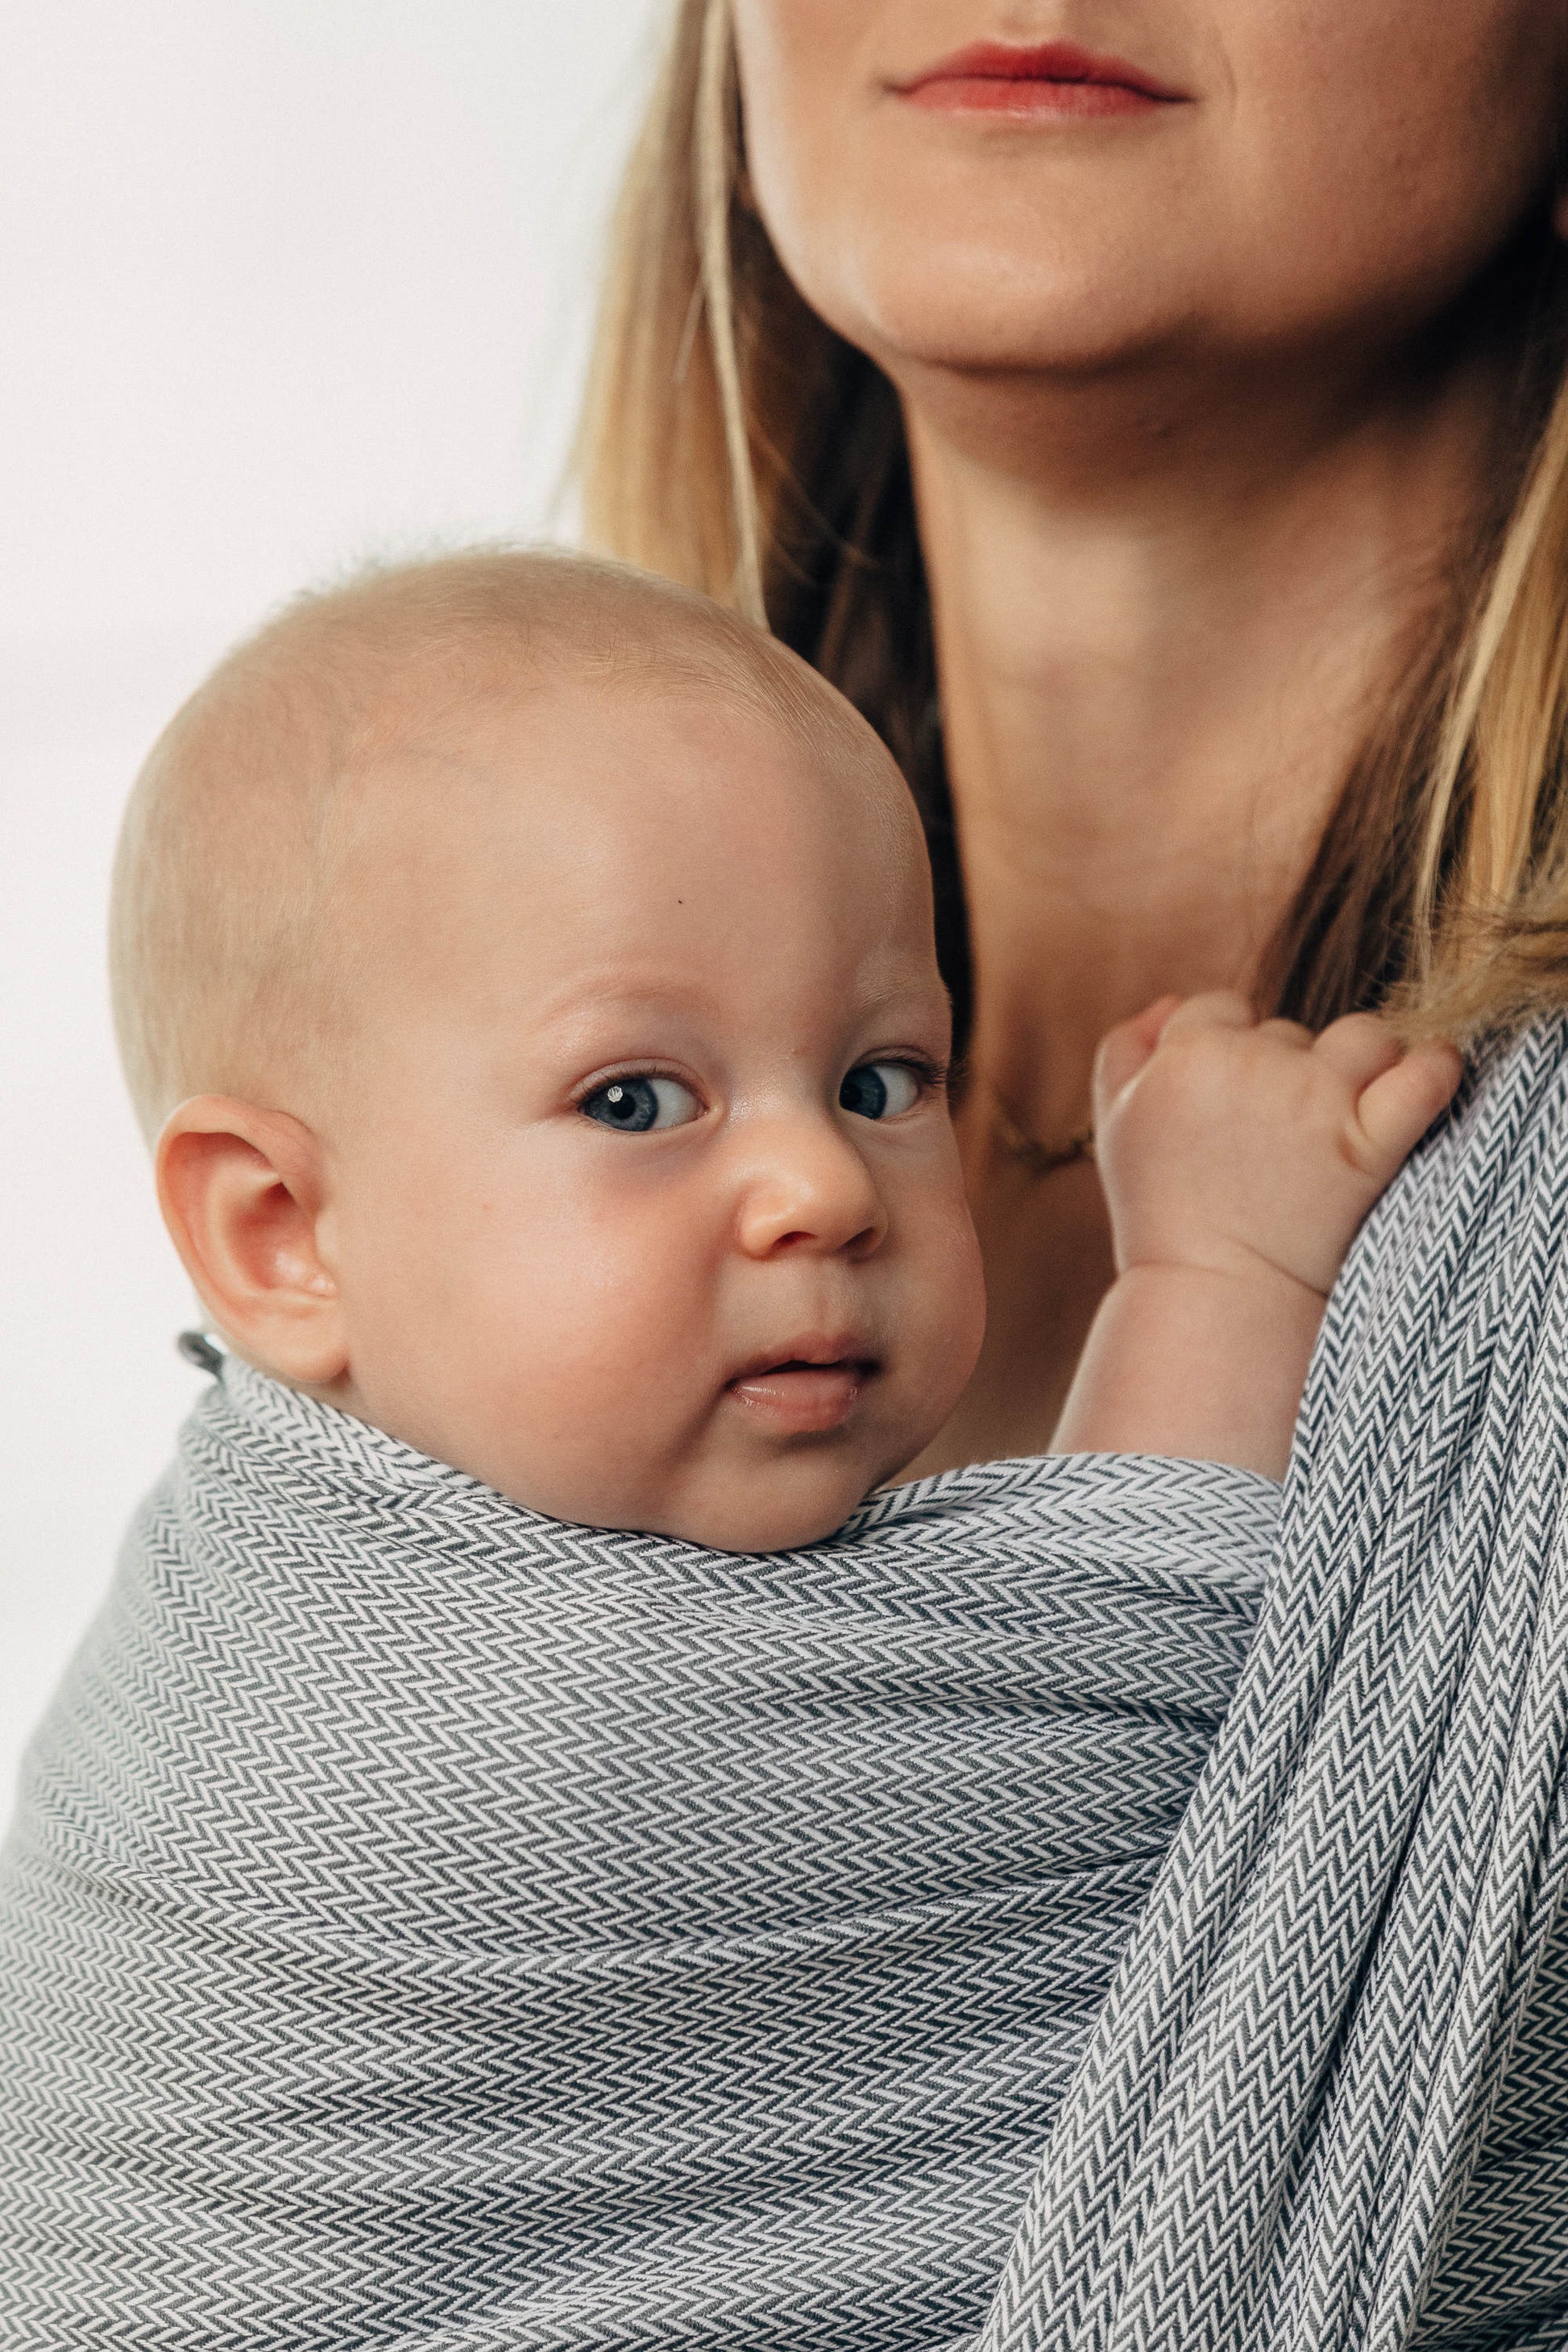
(637, 1104)
(881, 1091)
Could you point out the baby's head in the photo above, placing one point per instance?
(526, 971)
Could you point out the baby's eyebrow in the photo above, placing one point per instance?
(615, 990)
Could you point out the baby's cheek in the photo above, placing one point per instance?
(945, 1305)
(590, 1367)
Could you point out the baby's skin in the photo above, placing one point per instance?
(606, 1150)
(607, 1155)
(1239, 1158)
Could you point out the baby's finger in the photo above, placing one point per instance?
(1222, 1008)
(1395, 1110)
(1288, 1033)
(1123, 1051)
(1359, 1047)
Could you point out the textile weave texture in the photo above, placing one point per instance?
(1326, 2104)
(427, 1925)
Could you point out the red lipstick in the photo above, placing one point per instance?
(1056, 79)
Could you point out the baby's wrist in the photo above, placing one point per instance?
(1247, 1291)
(1273, 1284)
(1205, 1362)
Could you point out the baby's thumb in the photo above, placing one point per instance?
(1395, 1110)
(1124, 1050)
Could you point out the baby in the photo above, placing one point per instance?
(529, 1855)
(525, 972)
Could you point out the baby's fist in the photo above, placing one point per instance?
(1238, 1145)
(1396, 1091)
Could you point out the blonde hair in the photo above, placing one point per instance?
(732, 441)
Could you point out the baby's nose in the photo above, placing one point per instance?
(808, 1189)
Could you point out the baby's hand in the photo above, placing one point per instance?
(1241, 1147)
(1238, 1158)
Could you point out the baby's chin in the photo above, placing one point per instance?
(753, 1477)
(781, 1505)
(749, 1529)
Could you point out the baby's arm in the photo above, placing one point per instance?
(1238, 1160)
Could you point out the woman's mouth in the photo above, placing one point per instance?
(796, 1398)
(1055, 79)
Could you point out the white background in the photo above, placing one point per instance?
(285, 283)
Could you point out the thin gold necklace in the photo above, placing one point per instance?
(1039, 1158)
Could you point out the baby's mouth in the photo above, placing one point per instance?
(798, 1396)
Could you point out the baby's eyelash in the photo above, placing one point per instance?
(934, 1075)
(620, 1074)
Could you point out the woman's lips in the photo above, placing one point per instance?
(1054, 78)
(798, 1399)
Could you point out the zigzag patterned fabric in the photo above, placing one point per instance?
(428, 1926)
(1325, 2108)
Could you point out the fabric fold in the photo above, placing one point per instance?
(429, 1923)
(428, 1926)
(1286, 2102)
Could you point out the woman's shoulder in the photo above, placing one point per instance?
(1523, 1067)
(1486, 1190)
(1503, 1138)
(1508, 1124)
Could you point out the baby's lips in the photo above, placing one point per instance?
(804, 1394)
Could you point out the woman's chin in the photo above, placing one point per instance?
(973, 307)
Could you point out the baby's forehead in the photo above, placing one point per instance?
(675, 765)
(371, 767)
(633, 831)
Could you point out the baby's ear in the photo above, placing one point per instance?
(243, 1195)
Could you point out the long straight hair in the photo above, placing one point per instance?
(734, 441)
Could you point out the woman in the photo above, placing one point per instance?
(1157, 442)
(1154, 418)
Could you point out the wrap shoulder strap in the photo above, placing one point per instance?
(1273, 2136)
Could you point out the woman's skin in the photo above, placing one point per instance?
(1196, 427)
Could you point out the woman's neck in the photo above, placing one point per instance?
(1159, 644)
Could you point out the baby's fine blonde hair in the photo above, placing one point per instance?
(236, 936)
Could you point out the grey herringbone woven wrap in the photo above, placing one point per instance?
(1325, 2108)
(428, 1926)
